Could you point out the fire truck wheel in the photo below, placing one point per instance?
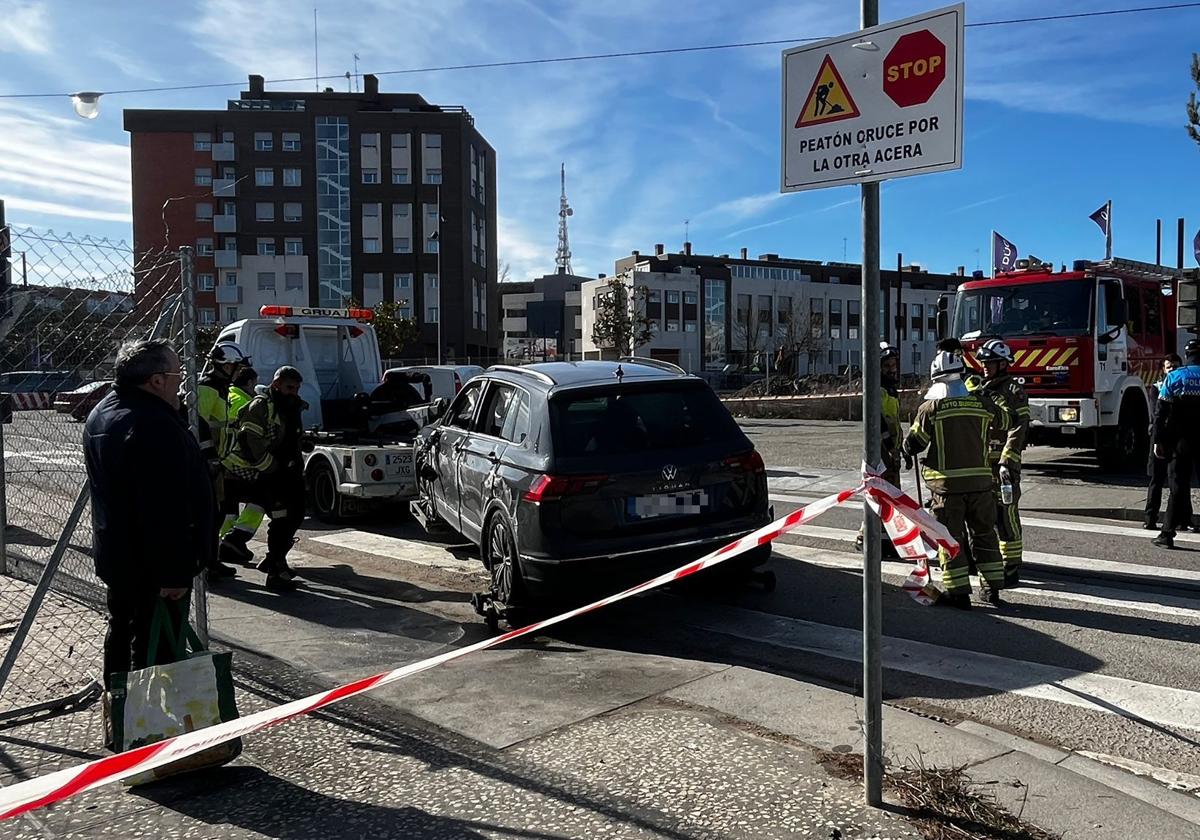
(1124, 448)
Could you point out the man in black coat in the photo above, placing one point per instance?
(153, 509)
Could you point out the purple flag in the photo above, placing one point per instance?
(1004, 254)
(1100, 217)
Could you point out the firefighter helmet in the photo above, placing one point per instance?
(946, 364)
(228, 353)
(887, 351)
(994, 350)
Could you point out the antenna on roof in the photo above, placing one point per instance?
(619, 373)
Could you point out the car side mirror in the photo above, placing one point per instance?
(437, 408)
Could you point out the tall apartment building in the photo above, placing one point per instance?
(711, 311)
(323, 199)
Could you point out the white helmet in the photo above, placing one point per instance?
(946, 365)
(994, 350)
(228, 353)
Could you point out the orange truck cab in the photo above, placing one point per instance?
(1087, 344)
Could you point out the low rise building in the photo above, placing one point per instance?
(543, 318)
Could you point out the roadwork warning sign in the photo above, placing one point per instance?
(829, 99)
(882, 103)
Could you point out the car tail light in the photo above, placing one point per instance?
(377, 475)
(457, 382)
(749, 461)
(370, 460)
(556, 486)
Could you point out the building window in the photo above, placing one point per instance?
(203, 176)
(371, 211)
(399, 176)
(208, 317)
(372, 289)
(714, 324)
(205, 282)
(816, 316)
(689, 326)
(654, 305)
(230, 278)
(229, 208)
(918, 314)
(266, 281)
(202, 141)
(371, 245)
(835, 318)
(332, 179)
(291, 177)
(293, 247)
(266, 247)
(402, 294)
(291, 211)
(401, 244)
(835, 358)
(204, 212)
(264, 177)
(264, 211)
(433, 176)
(370, 176)
(293, 281)
(204, 247)
(852, 318)
(229, 243)
(231, 313)
(432, 141)
(399, 141)
(263, 141)
(370, 141)
(291, 141)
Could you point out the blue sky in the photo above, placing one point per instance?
(1060, 117)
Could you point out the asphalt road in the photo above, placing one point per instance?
(1096, 653)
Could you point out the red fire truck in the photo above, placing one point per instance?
(1087, 344)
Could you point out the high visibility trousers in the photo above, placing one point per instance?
(242, 508)
(971, 520)
(249, 520)
(1008, 530)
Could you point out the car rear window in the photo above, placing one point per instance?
(618, 422)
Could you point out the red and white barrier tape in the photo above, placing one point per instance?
(54, 787)
(32, 400)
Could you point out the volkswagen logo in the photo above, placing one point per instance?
(669, 472)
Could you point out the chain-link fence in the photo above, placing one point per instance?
(66, 305)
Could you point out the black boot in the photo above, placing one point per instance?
(279, 575)
(989, 594)
(958, 600)
(235, 550)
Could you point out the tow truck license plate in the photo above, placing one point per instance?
(399, 464)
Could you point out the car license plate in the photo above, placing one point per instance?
(666, 504)
(399, 464)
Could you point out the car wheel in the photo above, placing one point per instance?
(323, 493)
(499, 549)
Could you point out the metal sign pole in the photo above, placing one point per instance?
(872, 414)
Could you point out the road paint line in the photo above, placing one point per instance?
(1151, 603)
(421, 554)
(1156, 704)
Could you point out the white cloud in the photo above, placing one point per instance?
(738, 209)
(25, 28)
(50, 208)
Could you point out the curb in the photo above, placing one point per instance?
(1150, 792)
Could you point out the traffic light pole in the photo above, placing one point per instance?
(872, 414)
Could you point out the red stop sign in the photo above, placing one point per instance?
(914, 69)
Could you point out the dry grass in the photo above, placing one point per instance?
(943, 802)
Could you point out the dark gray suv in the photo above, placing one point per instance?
(577, 478)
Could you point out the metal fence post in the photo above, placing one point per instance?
(43, 585)
(3, 507)
(188, 351)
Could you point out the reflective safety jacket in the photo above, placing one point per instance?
(212, 406)
(266, 440)
(956, 431)
(1177, 412)
(890, 444)
(238, 399)
(1005, 447)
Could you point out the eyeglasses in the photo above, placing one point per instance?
(180, 373)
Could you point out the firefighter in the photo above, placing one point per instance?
(1005, 449)
(239, 512)
(954, 425)
(891, 434)
(267, 454)
(225, 360)
(1177, 433)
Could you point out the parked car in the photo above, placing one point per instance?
(579, 478)
(447, 380)
(38, 381)
(80, 402)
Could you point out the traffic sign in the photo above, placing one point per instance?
(885, 102)
(914, 69)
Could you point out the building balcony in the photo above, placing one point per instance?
(514, 325)
(224, 187)
(223, 151)
(229, 294)
(225, 259)
(225, 223)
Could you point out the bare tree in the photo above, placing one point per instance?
(747, 333)
(803, 332)
(504, 275)
(621, 323)
(1193, 109)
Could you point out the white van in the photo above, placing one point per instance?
(337, 353)
(447, 380)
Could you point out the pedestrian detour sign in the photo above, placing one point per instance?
(885, 102)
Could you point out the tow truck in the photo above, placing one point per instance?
(1087, 345)
(360, 449)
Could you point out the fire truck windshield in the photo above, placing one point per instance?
(1061, 307)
